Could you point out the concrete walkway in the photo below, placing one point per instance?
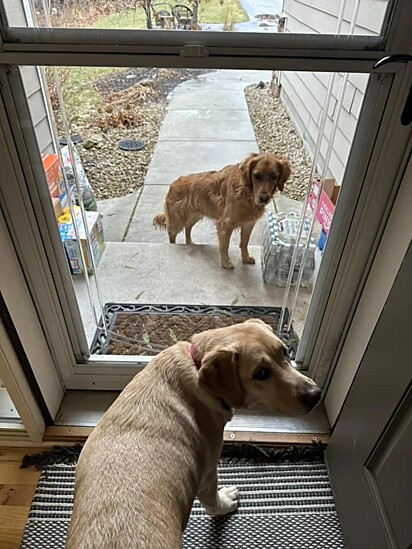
(207, 126)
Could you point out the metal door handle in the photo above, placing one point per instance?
(406, 116)
(397, 58)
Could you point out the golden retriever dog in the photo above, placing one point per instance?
(158, 445)
(234, 197)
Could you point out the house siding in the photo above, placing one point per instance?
(17, 17)
(304, 93)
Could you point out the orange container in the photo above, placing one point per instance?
(53, 173)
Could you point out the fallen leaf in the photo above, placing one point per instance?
(173, 336)
(140, 294)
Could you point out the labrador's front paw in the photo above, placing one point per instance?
(228, 500)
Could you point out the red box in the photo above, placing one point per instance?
(324, 213)
(326, 204)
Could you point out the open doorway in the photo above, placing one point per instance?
(135, 131)
(120, 137)
(184, 115)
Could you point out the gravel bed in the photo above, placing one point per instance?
(114, 173)
(276, 133)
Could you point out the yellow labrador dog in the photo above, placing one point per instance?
(158, 445)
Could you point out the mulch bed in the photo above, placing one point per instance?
(133, 105)
(162, 330)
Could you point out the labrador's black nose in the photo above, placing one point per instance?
(311, 396)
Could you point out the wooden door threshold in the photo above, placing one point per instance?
(82, 410)
(63, 434)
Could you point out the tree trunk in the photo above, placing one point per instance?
(195, 12)
(148, 10)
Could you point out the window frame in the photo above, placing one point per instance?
(109, 47)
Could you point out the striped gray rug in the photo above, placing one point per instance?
(282, 506)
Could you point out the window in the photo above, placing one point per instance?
(289, 16)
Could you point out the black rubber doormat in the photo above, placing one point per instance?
(285, 503)
(148, 329)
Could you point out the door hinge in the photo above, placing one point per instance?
(194, 50)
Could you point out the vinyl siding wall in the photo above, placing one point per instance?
(304, 93)
(18, 14)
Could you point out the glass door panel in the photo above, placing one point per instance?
(120, 137)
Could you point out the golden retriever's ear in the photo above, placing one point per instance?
(246, 167)
(219, 374)
(286, 171)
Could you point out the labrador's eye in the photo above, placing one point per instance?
(274, 176)
(262, 373)
(257, 176)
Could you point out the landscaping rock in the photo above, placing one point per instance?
(276, 133)
(95, 141)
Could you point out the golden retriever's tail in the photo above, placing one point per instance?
(159, 222)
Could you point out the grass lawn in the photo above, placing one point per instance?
(130, 19)
(80, 96)
(230, 11)
(210, 11)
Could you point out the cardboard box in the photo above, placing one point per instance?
(54, 175)
(324, 212)
(331, 189)
(58, 208)
(327, 201)
(95, 232)
(313, 195)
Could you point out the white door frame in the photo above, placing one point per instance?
(12, 375)
(22, 312)
(36, 241)
(388, 260)
(339, 287)
(61, 46)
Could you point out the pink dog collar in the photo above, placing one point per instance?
(194, 356)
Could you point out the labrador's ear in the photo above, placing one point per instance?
(219, 373)
(246, 168)
(286, 171)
